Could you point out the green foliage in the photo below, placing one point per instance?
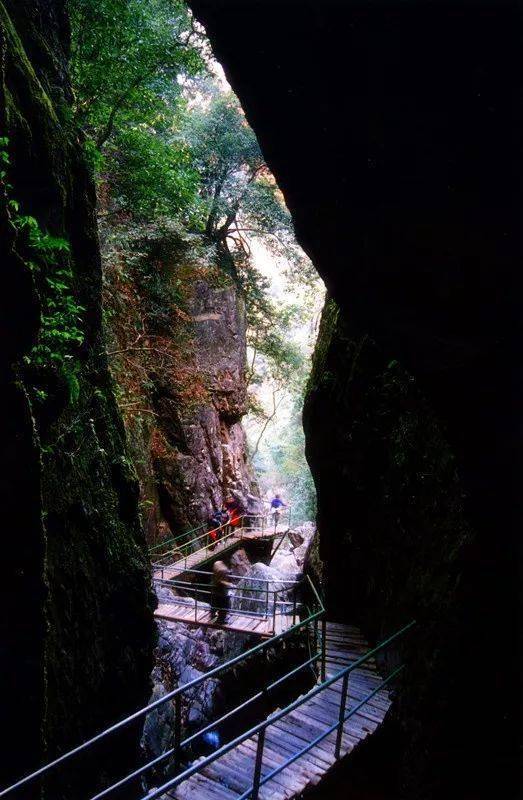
(288, 456)
(150, 177)
(238, 197)
(60, 333)
(130, 59)
(170, 147)
(127, 57)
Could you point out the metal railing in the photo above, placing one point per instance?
(313, 607)
(213, 541)
(269, 602)
(166, 542)
(259, 730)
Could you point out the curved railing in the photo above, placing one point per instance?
(260, 729)
(313, 607)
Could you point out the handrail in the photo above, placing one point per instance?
(201, 536)
(210, 726)
(175, 693)
(175, 538)
(192, 530)
(183, 601)
(262, 726)
(337, 725)
(286, 581)
(233, 530)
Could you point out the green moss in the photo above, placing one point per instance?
(328, 324)
(21, 63)
(84, 542)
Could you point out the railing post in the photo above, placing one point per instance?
(294, 607)
(275, 595)
(267, 599)
(258, 765)
(177, 729)
(343, 702)
(323, 646)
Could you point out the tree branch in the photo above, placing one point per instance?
(275, 406)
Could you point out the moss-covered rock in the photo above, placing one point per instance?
(76, 615)
(390, 513)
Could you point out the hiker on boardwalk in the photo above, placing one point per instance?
(220, 600)
(217, 524)
(233, 508)
(277, 504)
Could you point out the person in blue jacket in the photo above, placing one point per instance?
(276, 504)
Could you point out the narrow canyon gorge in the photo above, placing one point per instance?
(384, 136)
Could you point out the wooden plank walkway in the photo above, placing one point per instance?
(197, 559)
(231, 775)
(241, 623)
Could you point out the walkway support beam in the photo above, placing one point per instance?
(258, 764)
(323, 647)
(341, 718)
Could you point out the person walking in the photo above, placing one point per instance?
(233, 509)
(276, 504)
(220, 600)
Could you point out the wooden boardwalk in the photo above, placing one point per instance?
(231, 775)
(240, 623)
(195, 560)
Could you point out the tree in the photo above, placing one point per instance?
(128, 57)
(238, 196)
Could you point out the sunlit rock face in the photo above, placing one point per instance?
(76, 613)
(204, 455)
(386, 128)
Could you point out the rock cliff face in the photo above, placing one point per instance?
(76, 613)
(205, 456)
(186, 377)
(380, 122)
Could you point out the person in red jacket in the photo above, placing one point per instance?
(234, 511)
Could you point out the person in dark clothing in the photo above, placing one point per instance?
(214, 523)
(220, 600)
(224, 518)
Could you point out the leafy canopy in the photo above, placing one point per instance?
(130, 59)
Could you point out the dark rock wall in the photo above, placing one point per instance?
(394, 534)
(76, 622)
(391, 129)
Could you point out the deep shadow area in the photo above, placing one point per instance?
(392, 129)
